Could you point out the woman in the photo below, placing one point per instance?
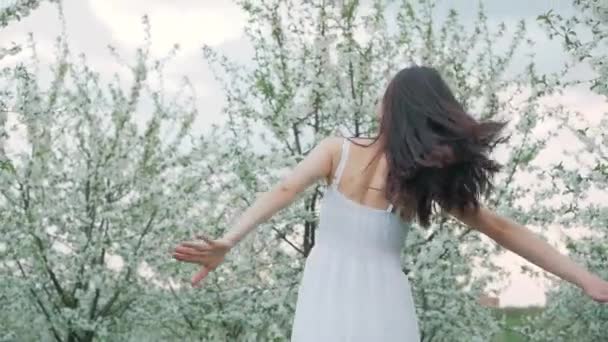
(429, 152)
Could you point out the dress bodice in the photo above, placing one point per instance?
(345, 223)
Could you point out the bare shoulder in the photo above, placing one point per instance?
(330, 147)
(331, 144)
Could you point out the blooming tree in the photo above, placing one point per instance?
(319, 68)
(569, 315)
(98, 180)
(108, 175)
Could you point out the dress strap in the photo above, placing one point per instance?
(341, 163)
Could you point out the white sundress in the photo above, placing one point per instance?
(353, 288)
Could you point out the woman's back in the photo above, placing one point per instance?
(353, 288)
(355, 216)
(358, 183)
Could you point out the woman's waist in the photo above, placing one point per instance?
(358, 248)
(371, 242)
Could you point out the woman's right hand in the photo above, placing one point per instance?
(207, 253)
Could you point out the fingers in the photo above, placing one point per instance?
(187, 258)
(190, 255)
(200, 275)
(604, 297)
(203, 253)
(206, 259)
(191, 251)
(197, 245)
(195, 257)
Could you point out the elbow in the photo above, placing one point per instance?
(286, 191)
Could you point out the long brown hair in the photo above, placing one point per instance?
(436, 152)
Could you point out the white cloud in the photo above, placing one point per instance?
(171, 23)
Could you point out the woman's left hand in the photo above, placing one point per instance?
(597, 289)
(208, 253)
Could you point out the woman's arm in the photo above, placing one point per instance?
(315, 166)
(210, 253)
(530, 246)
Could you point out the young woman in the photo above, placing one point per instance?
(429, 153)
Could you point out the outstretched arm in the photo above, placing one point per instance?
(210, 253)
(315, 166)
(530, 246)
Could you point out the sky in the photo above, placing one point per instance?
(92, 25)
